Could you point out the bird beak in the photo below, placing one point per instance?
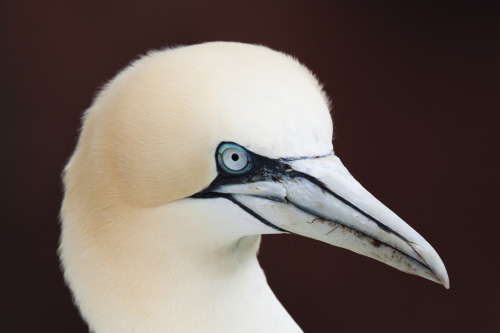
(318, 198)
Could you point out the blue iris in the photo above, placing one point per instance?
(234, 159)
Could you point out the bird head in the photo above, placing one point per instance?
(199, 147)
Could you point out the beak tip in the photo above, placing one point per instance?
(433, 262)
(442, 275)
(442, 278)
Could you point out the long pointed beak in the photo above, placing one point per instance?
(318, 198)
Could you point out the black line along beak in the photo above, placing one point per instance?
(318, 198)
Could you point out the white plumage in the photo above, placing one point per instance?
(184, 160)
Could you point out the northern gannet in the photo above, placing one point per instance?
(184, 159)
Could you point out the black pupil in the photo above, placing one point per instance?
(235, 157)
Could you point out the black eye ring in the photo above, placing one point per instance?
(234, 159)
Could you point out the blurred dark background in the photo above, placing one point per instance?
(415, 87)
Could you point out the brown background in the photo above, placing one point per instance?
(415, 88)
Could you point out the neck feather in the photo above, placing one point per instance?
(129, 274)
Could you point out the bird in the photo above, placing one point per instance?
(183, 161)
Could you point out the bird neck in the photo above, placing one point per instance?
(127, 274)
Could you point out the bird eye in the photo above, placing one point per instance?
(233, 159)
